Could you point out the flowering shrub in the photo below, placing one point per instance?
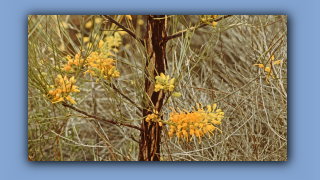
(62, 89)
(98, 64)
(168, 62)
(195, 123)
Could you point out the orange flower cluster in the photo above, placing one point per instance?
(62, 89)
(268, 69)
(101, 64)
(196, 123)
(73, 63)
(154, 117)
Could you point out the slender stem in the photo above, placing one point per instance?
(124, 28)
(194, 28)
(126, 97)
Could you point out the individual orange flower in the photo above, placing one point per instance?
(260, 65)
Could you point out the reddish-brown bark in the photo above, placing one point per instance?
(150, 138)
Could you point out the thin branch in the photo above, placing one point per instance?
(124, 28)
(194, 28)
(133, 138)
(126, 97)
(102, 119)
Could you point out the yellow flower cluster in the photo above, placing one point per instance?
(154, 117)
(268, 69)
(196, 123)
(73, 63)
(62, 89)
(208, 19)
(113, 42)
(100, 63)
(162, 83)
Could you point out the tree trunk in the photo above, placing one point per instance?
(150, 137)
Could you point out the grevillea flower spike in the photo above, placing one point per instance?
(196, 123)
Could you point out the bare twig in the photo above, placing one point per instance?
(133, 138)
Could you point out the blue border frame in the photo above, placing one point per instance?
(303, 99)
